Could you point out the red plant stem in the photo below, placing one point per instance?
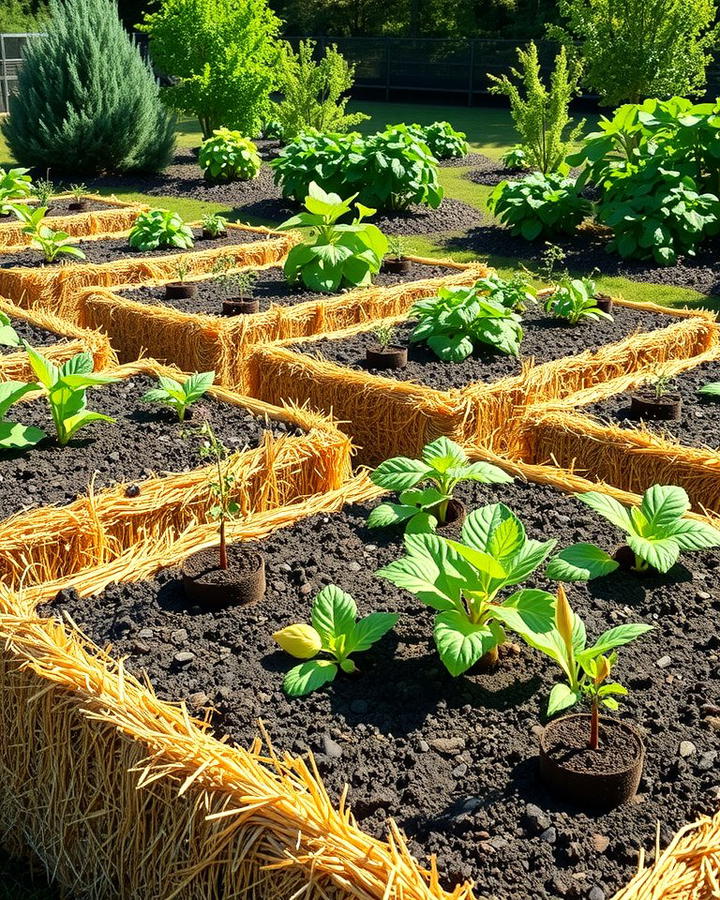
(594, 727)
(223, 546)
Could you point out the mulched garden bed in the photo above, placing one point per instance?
(145, 439)
(491, 171)
(269, 287)
(35, 336)
(463, 162)
(60, 206)
(454, 761)
(700, 423)
(545, 339)
(108, 250)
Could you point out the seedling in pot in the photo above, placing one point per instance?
(49, 242)
(13, 435)
(213, 225)
(236, 287)
(78, 192)
(657, 531)
(463, 580)
(587, 671)
(443, 465)
(385, 354)
(8, 336)
(335, 634)
(180, 289)
(180, 395)
(66, 387)
(656, 400)
(396, 260)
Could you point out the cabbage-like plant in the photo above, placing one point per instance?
(334, 255)
(444, 141)
(539, 205)
(314, 157)
(458, 318)
(157, 228)
(228, 156)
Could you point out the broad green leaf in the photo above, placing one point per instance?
(608, 507)
(422, 497)
(528, 610)
(507, 538)
(531, 555)
(80, 364)
(74, 423)
(333, 614)
(197, 384)
(580, 562)
(14, 436)
(369, 630)
(710, 390)
(614, 637)
(486, 473)
(690, 534)
(400, 473)
(9, 337)
(561, 697)
(309, 676)
(460, 643)
(660, 554)
(390, 514)
(45, 372)
(442, 454)
(662, 505)
(12, 391)
(481, 523)
(482, 561)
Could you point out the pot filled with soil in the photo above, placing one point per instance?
(180, 290)
(211, 234)
(240, 306)
(207, 583)
(605, 777)
(78, 205)
(396, 265)
(604, 302)
(392, 356)
(646, 404)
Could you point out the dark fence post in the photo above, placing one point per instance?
(387, 69)
(471, 73)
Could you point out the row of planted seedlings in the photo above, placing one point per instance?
(458, 654)
(339, 274)
(637, 429)
(93, 460)
(468, 361)
(73, 211)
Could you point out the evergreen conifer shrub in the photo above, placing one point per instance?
(86, 100)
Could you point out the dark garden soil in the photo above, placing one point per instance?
(491, 171)
(269, 287)
(545, 339)
(36, 337)
(463, 162)
(61, 206)
(454, 761)
(260, 198)
(113, 249)
(700, 422)
(145, 439)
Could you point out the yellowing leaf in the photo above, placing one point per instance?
(300, 641)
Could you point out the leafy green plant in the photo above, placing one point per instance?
(573, 299)
(13, 435)
(222, 55)
(657, 213)
(661, 382)
(314, 92)
(66, 387)
(463, 582)
(587, 669)
(384, 334)
(539, 205)
(335, 634)
(444, 465)
(619, 144)
(15, 184)
(458, 318)
(657, 531)
(444, 142)
(314, 157)
(550, 261)
(272, 130)
(8, 336)
(232, 283)
(396, 247)
(77, 192)
(513, 293)
(334, 255)
(224, 507)
(49, 242)
(157, 228)
(44, 190)
(180, 395)
(515, 158)
(214, 224)
(541, 114)
(228, 156)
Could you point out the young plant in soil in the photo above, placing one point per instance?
(225, 508)
(8, 336)
(335, 634)
(78, 191)
(513, 293)
(180, 395)
(385, 354)
(573, 299)
(66, 387)
(656, 401)
(458, 318)
(444, 465)
(462, 580)
(515, 158)
(235, 287)
(333, 255)
(657, 532)
(213, 225)
(13, 435)
(49, 242)
(157, 228)
(44, 191)
(396, 260)
(15, 184)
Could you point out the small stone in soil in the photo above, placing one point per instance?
(184, 657)
(687, 748)
(663, 662)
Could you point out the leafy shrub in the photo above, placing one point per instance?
(222, 55)
(541, 117)
(539, 205)
(314, 157)
(619, 144)
(228, 156)
(156, 228)
(515, 158)
(314, 93)
(272, 130)
(460, 317)
(334, 255)
(573, 299)
(657, 213)
(90, 111)
(444, 142)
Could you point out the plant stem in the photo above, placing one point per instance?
(223, 546)
(594, 726)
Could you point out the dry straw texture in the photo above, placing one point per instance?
(194, 342)
(124, 795)
(386, 416)
(71, 340)
(52, 542)
(629, 458)
(119, 217)
(59, 288)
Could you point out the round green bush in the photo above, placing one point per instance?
(228, 156)
(444, 142)
(314, 157)
(539, 205)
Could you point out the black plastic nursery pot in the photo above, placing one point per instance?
(243, 306)
(604, 302)
(241, 584)
(397, 265)
(180, 290)
(211, 235)
(606, 777)
(646, 405)
(391, 357)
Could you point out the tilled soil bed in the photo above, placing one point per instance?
(700, 422)
(545, 339)
(108, 250)
(268, 286)
(35, 336)
(146, 439)
(454, 761)
(63, 206)
(491, 171)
